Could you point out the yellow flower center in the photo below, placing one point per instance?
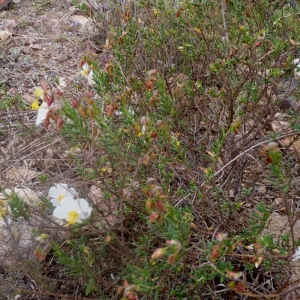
(39, 93)
(35, 105)
(84, 72)
(72, 217)
(60, 197)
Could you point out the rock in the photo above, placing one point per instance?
(5, 4)
(287, 103)
(8, 24)
(4, 35)
(287, 86)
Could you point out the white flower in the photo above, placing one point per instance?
(74, 211)
(296, 255)
(42, 113)
(61, 192)
(296, 62)
(88, 74)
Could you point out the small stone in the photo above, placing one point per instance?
(25, 51)
(287, 103)
(262, 189)
(287, 85)
(5, 4)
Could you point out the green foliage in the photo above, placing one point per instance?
(166, 134)
(19, 208)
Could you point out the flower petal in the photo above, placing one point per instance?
(70, 193)
(53, 192)
(62, 188)
(64, 185)
(55, 202)
(73, 191)
(85, 66)
(87, 212)
(67, 203)
(60, 213)
(80, 205)
(41, 115)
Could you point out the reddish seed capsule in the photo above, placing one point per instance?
(110, 110)
(75, 103)
(90, 113)
(121, 40)
(46, 123)
(158, 253)
(149, 85)
(49, 100)
(137, 129)
(59, 92)
(240, 287)
(59, 122)
(160, 205)
(90, 101)
(49, 115)
(257, 44)
(81, 112)
(171, 259)
(153, 134)
(154, 216)
(215, 253)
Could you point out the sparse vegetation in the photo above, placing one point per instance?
(183, 145)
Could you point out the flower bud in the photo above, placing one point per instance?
(121, 40)
(48, 114)
(60, 122)
(154, 217)
(75, 103)
(160, 205)
(158, 253)
(152, 101)
(110, 110)
(149, 85)
(59, 92)
(156, 190)
(108, 69)
(194, 226)
(81, 112)
(137, 129)
(146, 160)
(90, 101)
(120, 290)
(215, 253)
(153, 134)
(240, 287)
(231, 285)
(90, 112)
(149, 205)
(49, 100)
(171, 259)
(234, 275)
(108, 239)
(221, 237)
(46, 123)
(40, 254)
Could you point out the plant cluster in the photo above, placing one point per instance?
(176, 118)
